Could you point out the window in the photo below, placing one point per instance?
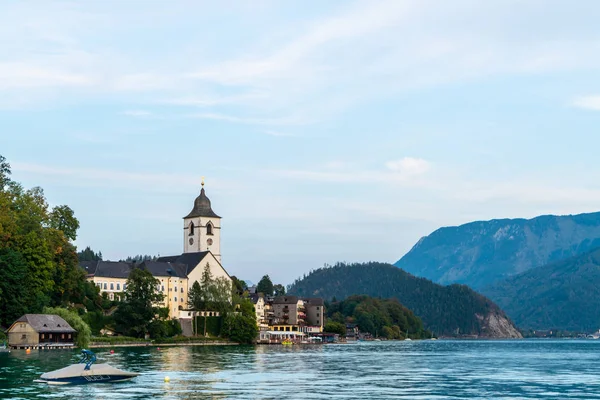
(209, 229)
(175, 298)
(318, 315)
(62, 336)
(175, 288)
(43, 336)
(50, 336)
(162, 288)
(181, 290)
(124, 286)
(23, 337)
(191, 229)
(118, 286)
(69, 336)
(105, 286)
(111, 296)
(112, 286)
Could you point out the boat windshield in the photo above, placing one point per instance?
(88, 358)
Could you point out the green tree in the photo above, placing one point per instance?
(139, 308)
(15, 292)
(196, 297)
(88, 254)
(62, 218)
(241, 326)
(4, 172)
(220, 295)
(279, 290)
(335, 327)
(239, 285)
(265, 286)
(211, 294)
(83, 330)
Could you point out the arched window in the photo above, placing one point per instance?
(191, 229)
(209, 229)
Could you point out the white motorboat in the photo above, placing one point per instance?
(86, 372)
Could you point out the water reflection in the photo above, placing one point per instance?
(428, 369)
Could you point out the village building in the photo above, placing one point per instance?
(41, 331)
(292, 317)
(176, 274)
(260, 308)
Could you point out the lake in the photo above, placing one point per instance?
(443, 369)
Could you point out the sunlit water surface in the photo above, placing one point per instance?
(526, 369)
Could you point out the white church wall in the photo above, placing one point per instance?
(216, 270)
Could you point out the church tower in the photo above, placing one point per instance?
(202, 228)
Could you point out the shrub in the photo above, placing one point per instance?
(84, 332)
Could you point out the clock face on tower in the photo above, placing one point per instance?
(209, 241)
(191, 240)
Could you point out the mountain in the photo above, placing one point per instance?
(481, 253)
(563, 295)
(445, 310)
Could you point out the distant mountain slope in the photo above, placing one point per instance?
(481, 253)
(563, 295)
(445, 310)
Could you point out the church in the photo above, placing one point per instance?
(177, 273)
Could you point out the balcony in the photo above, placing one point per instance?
(301, 315)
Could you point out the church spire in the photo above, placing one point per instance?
(202, 207)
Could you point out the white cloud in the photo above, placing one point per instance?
(110, 178)
(25, 75)
(587, 102)
(249, 120)
(136, 113)
(314, 69)
(409, 166)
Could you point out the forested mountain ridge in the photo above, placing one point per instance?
(563, 295)
(481, 253)
(445, 310)
(387, 318)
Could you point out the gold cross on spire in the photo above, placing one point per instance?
(202, 181)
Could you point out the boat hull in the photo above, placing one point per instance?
(78, 380)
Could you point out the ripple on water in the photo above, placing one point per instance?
(440, 369)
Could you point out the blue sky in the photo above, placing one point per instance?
(327, 131)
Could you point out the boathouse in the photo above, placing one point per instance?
(43, 331)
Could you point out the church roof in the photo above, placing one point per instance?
(161, 268)
(191, 260)
(112, 269)
(89, 266)
(202, 207)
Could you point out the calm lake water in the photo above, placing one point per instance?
(526, 369)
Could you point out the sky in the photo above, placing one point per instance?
(327, 131)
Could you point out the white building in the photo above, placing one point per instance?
(176, 274)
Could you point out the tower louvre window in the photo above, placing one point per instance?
(209, 229)
(192, 229)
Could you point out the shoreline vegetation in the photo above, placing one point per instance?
(99, 342)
